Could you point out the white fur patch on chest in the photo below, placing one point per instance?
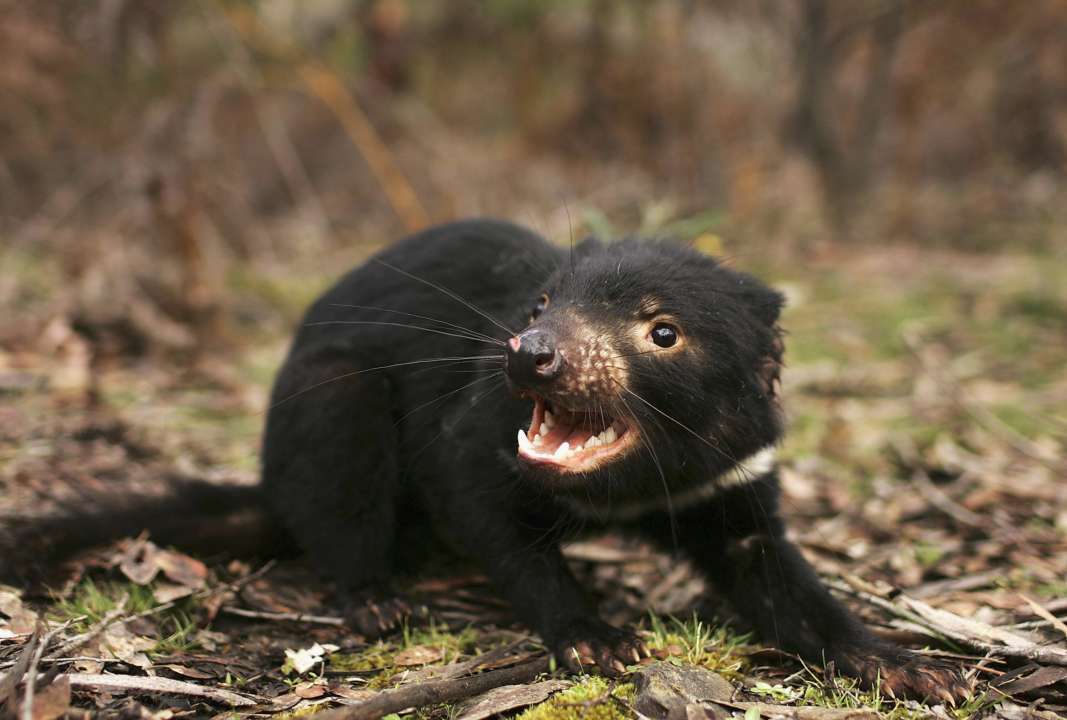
(751, 468)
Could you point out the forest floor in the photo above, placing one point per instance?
(924, 477)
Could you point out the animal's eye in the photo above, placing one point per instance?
(540, 307)
(664, 335)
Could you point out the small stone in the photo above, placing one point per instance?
(665, 691)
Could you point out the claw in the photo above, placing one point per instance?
(946, 696)
(618, 667)
(636, 655)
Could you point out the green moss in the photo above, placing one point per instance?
(377, 658)
(592, 698)
(697, 643)
(927, 554)
(845, 694)
(178, 630)
(92, 601)
(380, 658)
(453, 644)
(304, 711)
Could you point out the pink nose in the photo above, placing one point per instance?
(514, 344)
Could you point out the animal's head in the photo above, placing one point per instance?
(646, 359)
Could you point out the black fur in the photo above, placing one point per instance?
(368, 459)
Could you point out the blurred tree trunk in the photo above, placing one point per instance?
(844, 157)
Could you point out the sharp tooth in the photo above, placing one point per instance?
(549, 420)
(592, 442)
(563, 450)
(610, 436)
(524, 442)
(538, 440)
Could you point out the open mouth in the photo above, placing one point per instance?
(572, 441)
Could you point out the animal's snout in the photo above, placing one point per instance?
(533, 357)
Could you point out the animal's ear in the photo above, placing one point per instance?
(768, 307)
(764, 303)
(770, 370)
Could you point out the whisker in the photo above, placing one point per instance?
(401, 325)
(442, 397)
(473, 333)
(662, 477)
(682, 425)
(496, 386)
(449, 293)
(497, 364)
(342, 376)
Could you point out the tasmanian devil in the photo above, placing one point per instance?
(477, 386)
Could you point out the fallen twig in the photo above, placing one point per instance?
(84, 638)
(1042, 612)
(10, 683)
(959, 584)
(117, 616)
(494, 659)
(31, 669)
(158, 685)
(978, 635)
(940, 500)
(800, 712)
(283, 616)
(438, 691)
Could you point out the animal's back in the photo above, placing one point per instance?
(492, 265)
(372, 374)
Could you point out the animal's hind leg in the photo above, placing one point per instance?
(330, 473)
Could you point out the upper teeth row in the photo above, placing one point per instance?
(548, 424)
(606, 437)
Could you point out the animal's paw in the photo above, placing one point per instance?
(373, 615)
(591, 643)
(903, 674)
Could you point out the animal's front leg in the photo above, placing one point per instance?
(532, 574)
(773, 586)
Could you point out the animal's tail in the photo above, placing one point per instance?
(194, 515)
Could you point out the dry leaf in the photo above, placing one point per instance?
(418, 655)
(138, 561)
(53, 701)
(182, 569)
(510, 697)
(310, 691)
(349, 693)
(127, 647)
(22, 620)
(166, 592)
(189, 672)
